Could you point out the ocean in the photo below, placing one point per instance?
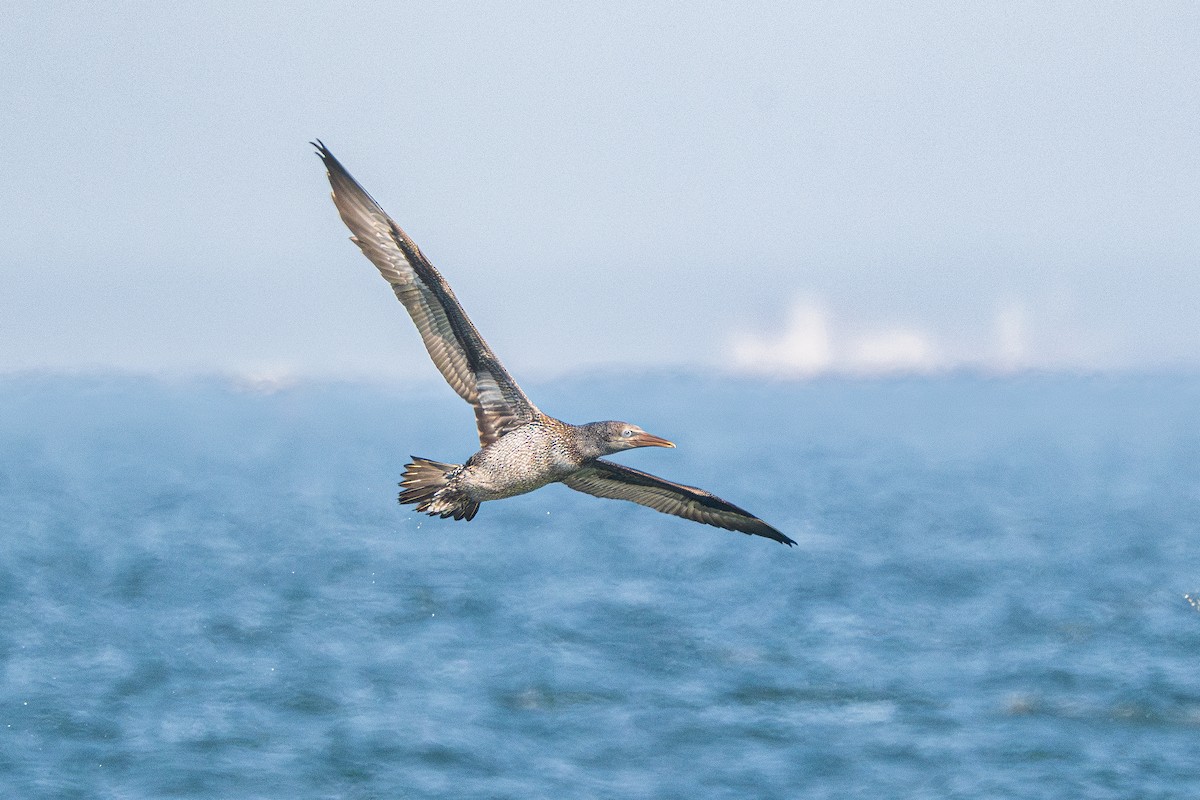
(208, 590)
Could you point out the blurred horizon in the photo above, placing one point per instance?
(574, 383)
(843, 189)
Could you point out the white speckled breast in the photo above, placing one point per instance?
(523, 460)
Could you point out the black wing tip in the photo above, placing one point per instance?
(327, 156)
(339, 177)
(770, 533)
(329, 159)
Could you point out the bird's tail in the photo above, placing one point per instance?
(426, 483)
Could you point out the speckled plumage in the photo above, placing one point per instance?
(522, 460)
(521, 449)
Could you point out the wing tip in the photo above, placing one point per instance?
(327, 157)
(344, 185)
(778, 536)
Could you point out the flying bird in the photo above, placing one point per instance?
(521, 449)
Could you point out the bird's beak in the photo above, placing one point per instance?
(644, 439)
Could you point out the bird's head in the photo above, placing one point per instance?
(613, 437)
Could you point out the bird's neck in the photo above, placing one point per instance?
(589, 441)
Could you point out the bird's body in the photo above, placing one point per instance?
(524, 459)
(521, 449)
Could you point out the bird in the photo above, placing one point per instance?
(521, 448)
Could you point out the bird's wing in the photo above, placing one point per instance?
(454, 344)
(606, 479)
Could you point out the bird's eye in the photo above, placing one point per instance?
(627, 433)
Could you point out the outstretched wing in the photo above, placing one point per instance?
(454, 344)
(606, 479)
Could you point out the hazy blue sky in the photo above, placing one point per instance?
(798, 188)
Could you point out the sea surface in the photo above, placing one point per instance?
(208, 590)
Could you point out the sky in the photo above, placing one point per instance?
(784, 189)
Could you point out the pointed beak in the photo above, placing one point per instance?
(650, 440)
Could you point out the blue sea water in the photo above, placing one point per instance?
(208, 591)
